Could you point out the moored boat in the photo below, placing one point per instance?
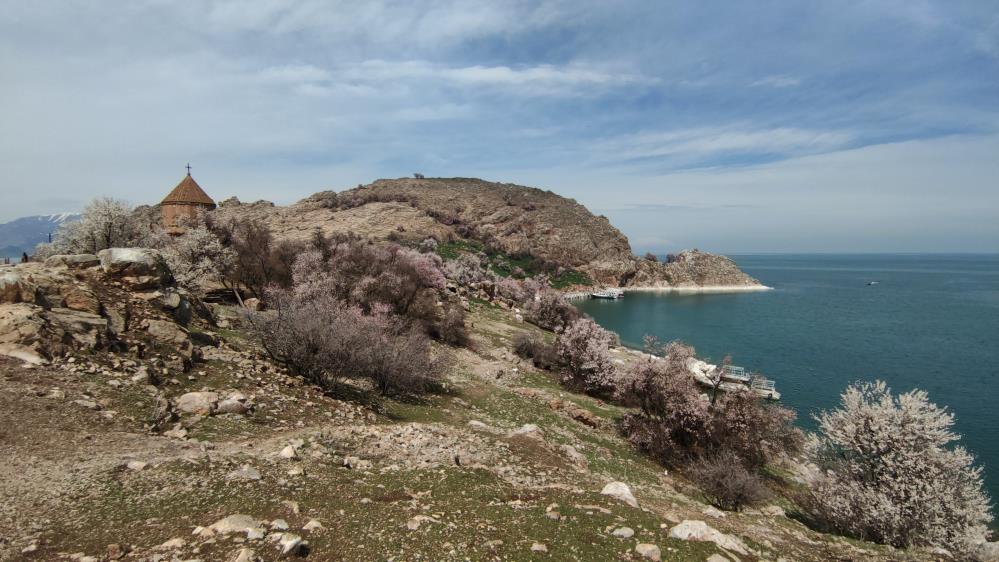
(611, 294)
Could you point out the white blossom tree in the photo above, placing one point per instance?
(104, 223)
(198, 258)
(890, 472)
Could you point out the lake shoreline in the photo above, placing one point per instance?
(699, 289)
(682, 290)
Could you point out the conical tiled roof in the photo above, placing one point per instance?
(188, 191)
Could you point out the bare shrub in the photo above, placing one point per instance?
(451, 328)
(583, 347)
(326, 341)
(751, 431)
(260, 260)
(534, 347)
(889, 472)
(363, 274)
(674, 420)
(725, 483)
(551, 311)
(649, 256)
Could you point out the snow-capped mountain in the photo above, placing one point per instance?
(23, 234)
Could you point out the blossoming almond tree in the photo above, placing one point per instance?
(890, 472)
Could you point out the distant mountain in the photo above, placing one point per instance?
(23, 234)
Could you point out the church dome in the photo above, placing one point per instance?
(188, 192)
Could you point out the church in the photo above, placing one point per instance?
(183, 204)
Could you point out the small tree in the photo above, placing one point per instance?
(198, 258)
(583, 348)
(754, 433)
(890, 474)
(716, 377)
(649, 256)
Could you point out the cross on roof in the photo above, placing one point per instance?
(188, 168)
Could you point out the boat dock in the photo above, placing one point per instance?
(734, 379)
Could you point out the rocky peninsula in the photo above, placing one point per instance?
(518, 221)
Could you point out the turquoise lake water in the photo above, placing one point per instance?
(932, 322)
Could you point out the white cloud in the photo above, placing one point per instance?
(693, 145)
(294, 73)
(779, 81)
(528, 79)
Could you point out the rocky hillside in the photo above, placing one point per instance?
(692, 269)
(135, 428)
(512, 219)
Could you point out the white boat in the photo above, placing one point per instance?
(611, 294)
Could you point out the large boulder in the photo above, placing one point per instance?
(621, 491)
(22, 353)
(49, 287)
(201, 403)
(693, 530)
(80, 298)
(178, 303)
(140, 268)
(169, 333)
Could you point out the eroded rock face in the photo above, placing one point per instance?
(140, 268)
(49, 332)
(15, 287)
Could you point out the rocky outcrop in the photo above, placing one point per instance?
(87, 302)
(690, 269)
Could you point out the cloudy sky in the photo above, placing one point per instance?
(729, 126)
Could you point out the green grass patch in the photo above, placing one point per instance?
(451, 250)
(569, 278)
